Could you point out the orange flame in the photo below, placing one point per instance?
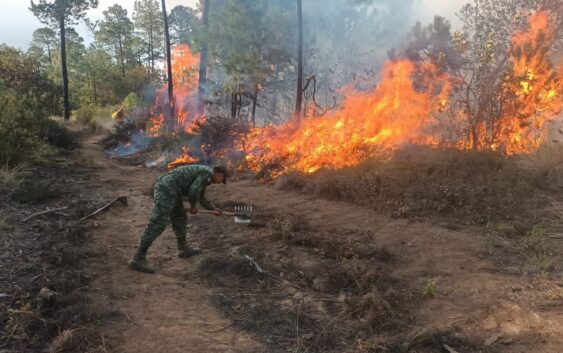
(185, 77)
(533, 88)
(184, 159)
(394, 113)
(368, 123)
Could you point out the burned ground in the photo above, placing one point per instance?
(43, 302)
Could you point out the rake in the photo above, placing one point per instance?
(242, 214)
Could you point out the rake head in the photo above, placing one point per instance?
(243, 214)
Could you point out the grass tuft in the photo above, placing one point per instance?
(10, 177)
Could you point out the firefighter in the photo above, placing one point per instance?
(190, 181)
(119, 115)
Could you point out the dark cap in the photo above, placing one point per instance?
(223, 170)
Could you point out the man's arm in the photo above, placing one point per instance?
(197, 192)
(205, 202)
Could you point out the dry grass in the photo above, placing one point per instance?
(473, 187)
(10, 177)
(66, 341)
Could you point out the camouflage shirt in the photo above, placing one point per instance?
(190, 181)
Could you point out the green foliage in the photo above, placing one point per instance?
(116, 32)
(44, 43)
(27, 97)
(131, 101)
(25, 133)
(186, 26)
(51, 12)
(19, 73)
(19, 129)
(95, 117)
(57, 135)
(33, 190)
(429, 290)
(148, 20)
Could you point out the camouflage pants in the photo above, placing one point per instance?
(168, 207)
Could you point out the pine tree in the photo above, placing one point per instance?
(61, 13)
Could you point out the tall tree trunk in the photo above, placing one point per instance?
(203, 63)
(66, 101)
(239, 104)
(234, 105)
(121, 57)
(299, 97)
(254, 103)
(94, 90)
(151, 47)
(50, 56)
(172, 117)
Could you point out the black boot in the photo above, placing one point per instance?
(185, 251)
(139, 262)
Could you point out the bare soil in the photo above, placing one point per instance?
(312, 275)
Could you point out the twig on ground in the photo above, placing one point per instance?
(35, 278)
(254, 263)
(44, 212)
(449, 349)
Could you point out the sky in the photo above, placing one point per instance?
(17, 23)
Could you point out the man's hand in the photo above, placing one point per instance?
(192, 210)
(217, 212)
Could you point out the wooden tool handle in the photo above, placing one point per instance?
(225, 213)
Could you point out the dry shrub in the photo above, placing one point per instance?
(25, 323)
(10, 177)
(219, 133)
(66, 341)
(474, 187)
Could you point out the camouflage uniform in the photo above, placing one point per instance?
(191, 181)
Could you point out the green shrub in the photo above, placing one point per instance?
(35, 191)
(19, 130)
(95, 117)
(130, 102)
(429, 289)
(57, 135)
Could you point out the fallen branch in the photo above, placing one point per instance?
(449, 349)
(37, 277)
(254, 263)
(122, 199)
(44, 212)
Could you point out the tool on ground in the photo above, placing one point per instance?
(121, 199)
(242, 214)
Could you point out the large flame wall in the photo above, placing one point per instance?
(394, 113)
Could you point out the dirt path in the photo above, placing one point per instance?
(312, 275)
(163, 312)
